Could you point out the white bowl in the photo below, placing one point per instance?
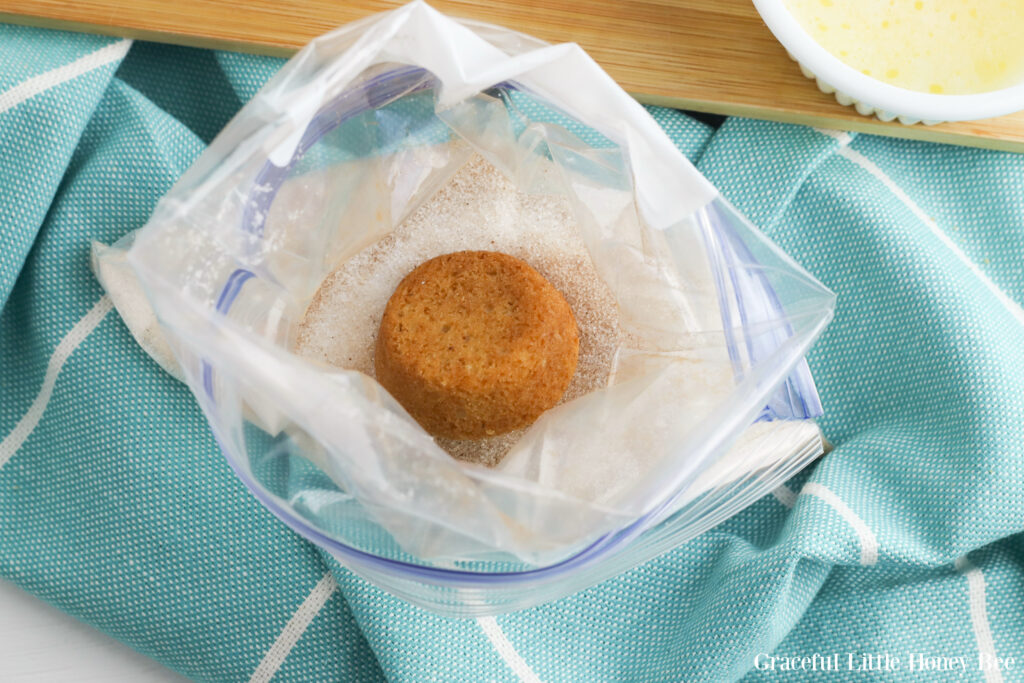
(872, 96)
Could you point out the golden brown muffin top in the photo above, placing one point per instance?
(475, 344)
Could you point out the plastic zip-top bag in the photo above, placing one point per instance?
(408, 135)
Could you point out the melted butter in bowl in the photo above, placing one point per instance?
(950, 47)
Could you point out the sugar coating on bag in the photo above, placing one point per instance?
(478, 209)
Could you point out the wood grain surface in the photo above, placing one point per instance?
(705, 55)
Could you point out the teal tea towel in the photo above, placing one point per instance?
(904, 542)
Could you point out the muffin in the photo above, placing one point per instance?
(475, 344)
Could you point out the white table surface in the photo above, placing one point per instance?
(40, 644)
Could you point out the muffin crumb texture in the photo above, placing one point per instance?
(476, 344)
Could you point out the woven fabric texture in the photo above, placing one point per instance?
(116, 506)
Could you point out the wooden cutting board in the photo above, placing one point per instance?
(705, 55)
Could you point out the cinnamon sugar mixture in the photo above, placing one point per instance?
(477, 209)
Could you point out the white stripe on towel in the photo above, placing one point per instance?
(12, 442)
(868, 542)
(856, 157)
(785, 495)
(506, 650)
(294, 629)
(979, 615)
(842, 136)
(28, 89)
